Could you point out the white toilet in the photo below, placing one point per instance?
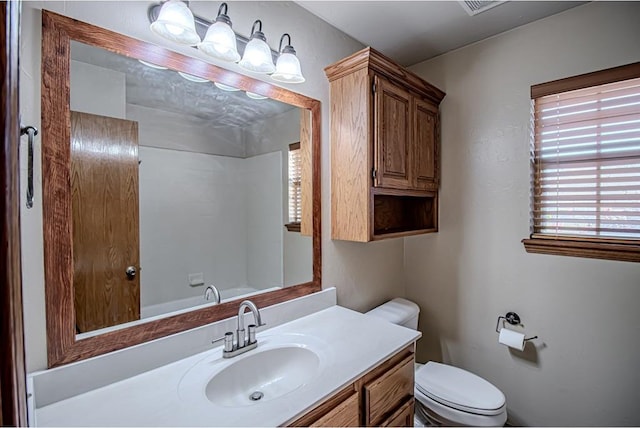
(446, 395)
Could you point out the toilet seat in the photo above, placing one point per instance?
(430, 412)
(458, 389)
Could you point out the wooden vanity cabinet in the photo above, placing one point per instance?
(385, 140)
(382, 397)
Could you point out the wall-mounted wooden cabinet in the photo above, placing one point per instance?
(382, 397)
(385, 142)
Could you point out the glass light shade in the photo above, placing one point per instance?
(192, 78)
(257, 57)
(288, 69)
(224, 87)
(255, 96)
(152, 65)
(175, 22)
(220, 42)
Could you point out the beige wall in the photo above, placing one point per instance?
(364, 274)
(586, 368)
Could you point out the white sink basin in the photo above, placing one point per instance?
(263, 376)
(279, 365)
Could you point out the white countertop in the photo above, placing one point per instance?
(351, 344)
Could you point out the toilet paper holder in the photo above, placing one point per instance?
(513, 319)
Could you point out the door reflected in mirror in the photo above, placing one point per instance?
(177, 184)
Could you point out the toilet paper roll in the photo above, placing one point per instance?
(512, 339)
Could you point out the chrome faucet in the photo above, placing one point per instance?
(244, 341)
(212, 290)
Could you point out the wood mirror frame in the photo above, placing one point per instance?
(62, 345)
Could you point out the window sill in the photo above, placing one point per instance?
(293, 227)
(595, 248)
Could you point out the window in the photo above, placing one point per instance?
(585, 156)
(295, 188)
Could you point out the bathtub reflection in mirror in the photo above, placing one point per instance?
(180, 183)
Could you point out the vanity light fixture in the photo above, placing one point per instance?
(224, 87)
(192, 78)
(288, 66)
(257, 54)
(176, 23)
(173, 20)
(255, 96)
(220, 40)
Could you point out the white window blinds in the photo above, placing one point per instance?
(295, 183)
(586, 157)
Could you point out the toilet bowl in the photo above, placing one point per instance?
(446, 395)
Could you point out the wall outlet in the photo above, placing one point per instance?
(196, 279)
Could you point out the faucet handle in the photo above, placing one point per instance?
(228, 341)
(252, 331)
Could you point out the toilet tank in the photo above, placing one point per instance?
(398, 311)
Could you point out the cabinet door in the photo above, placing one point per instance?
(426, 145)
(392, 136)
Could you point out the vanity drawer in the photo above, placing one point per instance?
(383, 394)
(346, 414)
(342, 409)
(403, 417)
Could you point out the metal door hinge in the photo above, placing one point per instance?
(373, 87)
(374, 173)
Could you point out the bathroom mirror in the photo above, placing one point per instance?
(190, 182)
(211, 170)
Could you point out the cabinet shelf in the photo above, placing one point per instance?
(395, 215)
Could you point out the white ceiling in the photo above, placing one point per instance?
(413, 31)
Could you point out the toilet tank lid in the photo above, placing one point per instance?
(397, 311)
